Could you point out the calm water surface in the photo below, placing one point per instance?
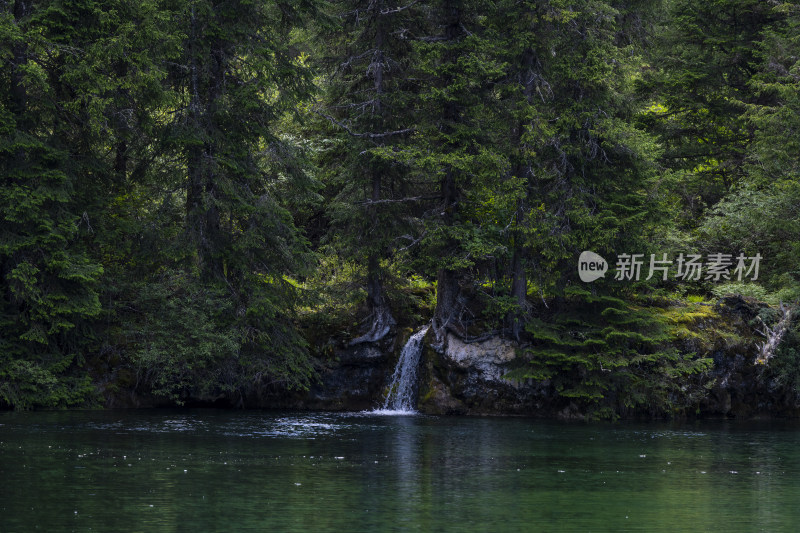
(262, 471)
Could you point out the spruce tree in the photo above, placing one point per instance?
(699, 80)
(578, 170)
(760, 215)
(370, 102)
(455, 150)
(50, 280)
(237, 78)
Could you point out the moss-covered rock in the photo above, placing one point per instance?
(469, 378)
(587, 357)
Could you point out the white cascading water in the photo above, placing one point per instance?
(401, 391)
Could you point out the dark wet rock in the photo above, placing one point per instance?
(461, 377)
(362, 354)
(743, 388)
(354, 377)
(742, 312)
(346, 387)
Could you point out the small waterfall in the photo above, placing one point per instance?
(401, 391)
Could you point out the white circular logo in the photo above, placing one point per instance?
(591, 266)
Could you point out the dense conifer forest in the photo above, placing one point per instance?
(199, 198)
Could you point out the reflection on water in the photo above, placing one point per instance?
(224, 471)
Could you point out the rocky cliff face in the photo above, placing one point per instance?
(460, 377)
(743, 387)
(467, 378)
(352, 378)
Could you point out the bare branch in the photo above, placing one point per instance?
(398, 200)
(367, 135)
(389, 11)
(414, 241)
(774, 335)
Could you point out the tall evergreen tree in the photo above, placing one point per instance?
(700, 78)
(455, 149)
(578, 171)
(581, 177)
(760, 216)
(370, 101)
(237, 79)
(50, 281)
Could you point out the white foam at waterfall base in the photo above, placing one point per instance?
(391, 412)
(400, 400)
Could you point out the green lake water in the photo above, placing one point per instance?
(207, 470)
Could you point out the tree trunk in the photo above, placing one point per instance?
(194, 153)
(519, 280)
(380, 314)
(18, 93)
(121, 147)
(519, 289)
(375, 298)
(203, 217)
(447, 314)
(19, 103)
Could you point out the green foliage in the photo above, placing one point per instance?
(760, 220)
(761, 216)
(199, 195)
(579, 174)
(613, 358)
(750, 290)
(699, 77)
(224, 310)
(454, 148)
(144, 175)
(365, 113)
(187, 341)
(49, 279)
